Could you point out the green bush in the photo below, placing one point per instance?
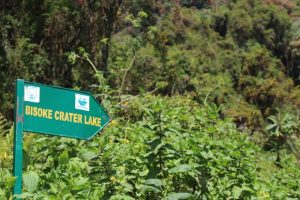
(158, 148)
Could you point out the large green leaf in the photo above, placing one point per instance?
(2, 194)
(154, 182)
(89, 154)
(31, 180)
(121, 197)
(63, 158)
(178, 196)
(10, 181)
(26, 159)
(180, 169)
(148, 188)
(236, 192)
(24, 195)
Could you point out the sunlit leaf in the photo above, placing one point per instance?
(31, 180)
(178, 196)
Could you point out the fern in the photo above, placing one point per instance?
(6, 137)
(3, 126)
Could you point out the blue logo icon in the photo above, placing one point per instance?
(82, 101)
(31, 93)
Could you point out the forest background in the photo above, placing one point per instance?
(204, 96)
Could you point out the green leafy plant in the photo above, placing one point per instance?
(281, 127)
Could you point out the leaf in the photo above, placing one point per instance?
(154, 182)
(207, 155)
(180, 169)
(273, 119)
(158, 147)
(80, 184)
(63, 158)
(127, 187)
(270, 127)
(10, 181)
(89, 154)
(82, 181)
(177, 196)
(144, 173)
(236, 192)
(53, 188)
(24, 195)
(2, 194)
(121, 197)
(26, 159)
(68, 196)
(138, 160)
(161, 84)
(148, 188)
(31, 180)
(79, 187)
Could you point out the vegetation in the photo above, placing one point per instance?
(204, 97)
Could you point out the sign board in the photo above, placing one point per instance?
(62, 112)
(54, 111)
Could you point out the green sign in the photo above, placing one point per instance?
(62, 112)
(54, 111)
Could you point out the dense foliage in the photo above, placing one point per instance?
(161, 148)
(204, 96)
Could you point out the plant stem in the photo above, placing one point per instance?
(125, 74)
